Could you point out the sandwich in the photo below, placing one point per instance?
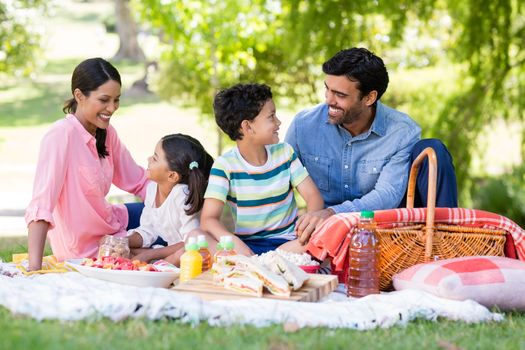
(292, 273)
(220, 271)
(276, 284)
(245, 285)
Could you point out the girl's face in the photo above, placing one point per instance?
(158, 168)
(95, 111)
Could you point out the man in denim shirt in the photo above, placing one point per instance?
(357, 150)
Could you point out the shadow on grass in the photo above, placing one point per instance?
(37, 103)
(65, 66)
(61, 66)
(43, 106)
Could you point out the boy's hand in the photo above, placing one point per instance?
(307, 223)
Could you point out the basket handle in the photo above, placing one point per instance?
(431, 201)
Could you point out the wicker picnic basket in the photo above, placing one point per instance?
(411, 244)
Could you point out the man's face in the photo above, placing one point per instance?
(346, 105)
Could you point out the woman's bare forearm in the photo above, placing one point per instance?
(36, 241)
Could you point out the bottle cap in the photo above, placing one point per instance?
(229, 245)
(367, 214)
(201, 241)
(192, 244)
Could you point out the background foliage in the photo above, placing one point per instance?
(20, 35)
(458, 65)
(283, 43)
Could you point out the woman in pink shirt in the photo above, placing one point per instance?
(80, 157)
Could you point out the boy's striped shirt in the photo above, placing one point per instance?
(261, 197)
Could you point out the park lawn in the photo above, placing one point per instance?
(20, 332)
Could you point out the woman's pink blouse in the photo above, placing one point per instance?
(71, 184)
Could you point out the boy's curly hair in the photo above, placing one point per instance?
(237, 103)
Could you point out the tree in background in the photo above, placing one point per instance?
(283, 43)
(19, 35)
(208, 45)
(127, 30)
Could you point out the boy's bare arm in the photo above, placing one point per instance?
(211, 223)
(307, 223)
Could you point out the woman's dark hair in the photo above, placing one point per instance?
(361, 66)
(189, 159)
(87, 77)
(237, 103)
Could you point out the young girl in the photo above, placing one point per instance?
(179, 170)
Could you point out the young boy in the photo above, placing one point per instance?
(257, 177)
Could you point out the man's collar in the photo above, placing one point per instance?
(378, 125)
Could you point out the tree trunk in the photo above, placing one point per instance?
(127, 31)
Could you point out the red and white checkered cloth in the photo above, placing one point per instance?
(331, 238)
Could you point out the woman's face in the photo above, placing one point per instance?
(95, 111)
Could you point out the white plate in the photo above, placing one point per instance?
(135, 278)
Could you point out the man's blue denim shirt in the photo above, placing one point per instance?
(365, 172)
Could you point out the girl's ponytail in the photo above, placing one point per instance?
(189, 159)
(197, 183)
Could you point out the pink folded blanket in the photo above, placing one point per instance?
(331, 238)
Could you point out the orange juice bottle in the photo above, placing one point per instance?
(190, 261)
(226, 248)
(204, 252)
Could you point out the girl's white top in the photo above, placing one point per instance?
(169, 221)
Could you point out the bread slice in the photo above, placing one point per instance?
(292, 273)
(245, 285)
(276, 284)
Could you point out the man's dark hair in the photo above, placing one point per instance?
(237, 103)
(361, 66)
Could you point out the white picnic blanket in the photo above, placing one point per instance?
(72, 296)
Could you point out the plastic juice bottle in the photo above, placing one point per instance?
(204, 252)
(363, 270)
(190, 261)
(219, 248)
(227, 246)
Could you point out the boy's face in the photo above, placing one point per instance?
(265, 127)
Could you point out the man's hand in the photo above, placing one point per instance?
(307, 223)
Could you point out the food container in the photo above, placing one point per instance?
(113, 246)
(310, 268)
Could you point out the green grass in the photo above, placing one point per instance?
(14, 245)
(21, 332)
